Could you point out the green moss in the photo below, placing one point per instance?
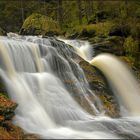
(38, 24)
(109, 105)
(131, 46)
(128, 60)
(100, 29)
(4, 95)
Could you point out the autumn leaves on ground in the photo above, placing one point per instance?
(110, 26)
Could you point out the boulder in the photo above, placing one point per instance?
(37, 24)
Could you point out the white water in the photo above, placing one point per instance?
(122, 80)
(36, 75)
(82, 48)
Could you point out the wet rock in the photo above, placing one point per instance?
(108, 45)
(7, 129)
(7, 107)
(103, 47)
(14, 131)
(100, 87)
(96, 81)
(73, 35)
(4, 134)
(31, 136)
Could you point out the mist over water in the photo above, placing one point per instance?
(36, 72)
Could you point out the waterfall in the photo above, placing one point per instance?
(121, 79)
(42, 76)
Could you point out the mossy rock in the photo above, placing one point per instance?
(100, 29)
(132, 64)
(95, 40)
(37, 24)
(115, 39)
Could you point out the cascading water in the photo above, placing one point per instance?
(41, 75)
(119, 76)
(82, 48)
(122, 81)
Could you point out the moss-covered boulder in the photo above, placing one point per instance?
(37, 24)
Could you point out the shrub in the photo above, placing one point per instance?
(100, 29)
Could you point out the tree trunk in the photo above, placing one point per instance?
(88, 9)
(79, 11)
(22, 11)
(60, 12)
(126, 7)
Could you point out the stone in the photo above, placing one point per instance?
(7, 107)
(100, 87)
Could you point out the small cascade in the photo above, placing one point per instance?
(120, 78)
(83, 48)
